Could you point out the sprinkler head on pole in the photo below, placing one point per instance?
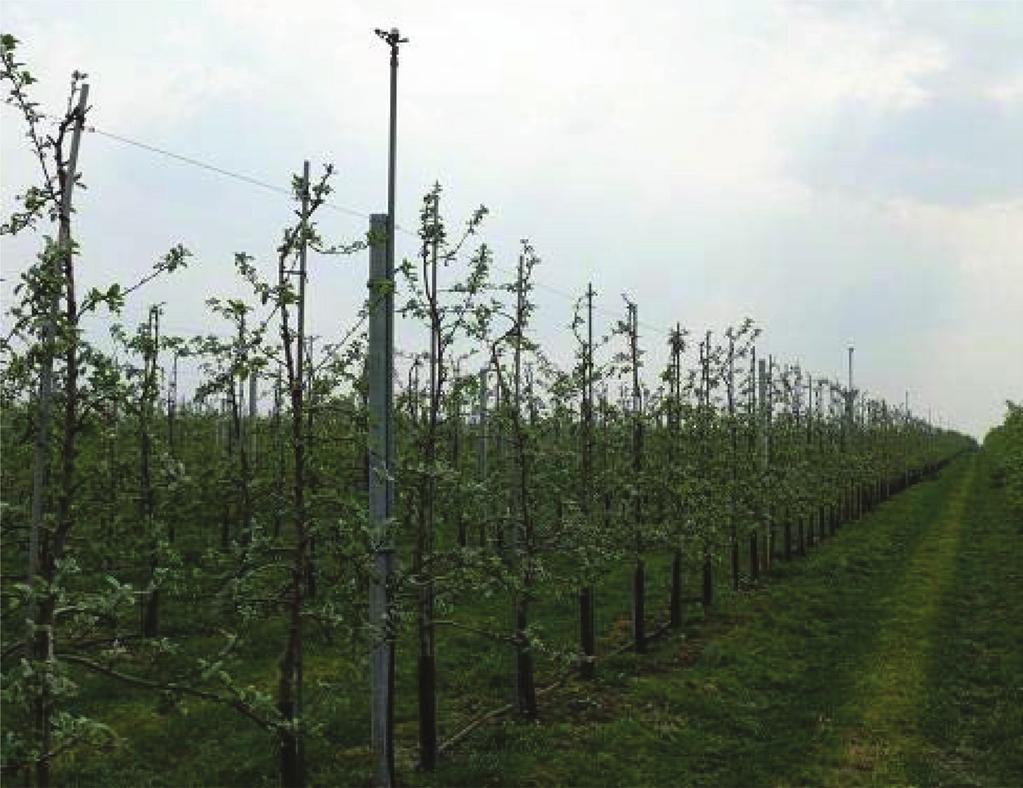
(392, 37)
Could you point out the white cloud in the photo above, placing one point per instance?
(1007, 92)
(987, 240)
(649, 147)
(972, 363)
(140, 79)
(573, 88)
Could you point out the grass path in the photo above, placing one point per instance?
(971, 715)
(893, 654)
(893, 684)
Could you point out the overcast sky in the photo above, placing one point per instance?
(842, 173)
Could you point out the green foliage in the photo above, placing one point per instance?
(1005, 444)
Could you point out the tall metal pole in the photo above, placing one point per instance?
(639, 568)
(481, 448)
(733, 461)
(850, 417)
(587, 610)
(393, 39)
(380, 374)
(381, 446)
(852, 396)
(762, 416)
(302, 257)
(172, 406)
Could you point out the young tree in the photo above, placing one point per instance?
(448, 321)
(46, 341)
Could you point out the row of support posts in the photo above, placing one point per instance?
(380, 464)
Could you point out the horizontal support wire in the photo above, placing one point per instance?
(266, 185)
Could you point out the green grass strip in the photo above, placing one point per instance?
(857, 665)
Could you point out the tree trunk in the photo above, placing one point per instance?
(525, 688)
(708, 583)
(675, 604)
(639, 605)
(290, 761)
(587, 633)
(427, 681)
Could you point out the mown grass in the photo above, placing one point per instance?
(838, 672)
(893, 654)
(972, 712)
(192, 742)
